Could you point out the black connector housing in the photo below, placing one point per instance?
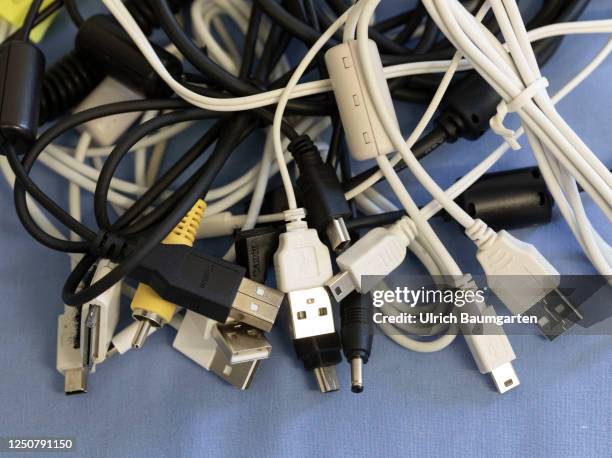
(194, 280)
(318, 351)
(105, 42)
(318, 185)
(22, 67)
(509, 199)
(467, 108)
(356, 327)
(255, 250)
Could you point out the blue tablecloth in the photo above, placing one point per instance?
(159, 403)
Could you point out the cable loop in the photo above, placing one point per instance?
(497, 121)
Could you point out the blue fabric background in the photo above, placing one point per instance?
(159, 403)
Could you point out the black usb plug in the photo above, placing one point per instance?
(255, 250)
(209, 286)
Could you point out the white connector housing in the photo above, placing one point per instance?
(195, 340)
(516, 271)
(107, 318)
(379, 253)
(493, 354)
(105, 131)
(365, 135)
(301, 261)
(68, 357)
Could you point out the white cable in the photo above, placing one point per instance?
(560, 153)
(126, 20)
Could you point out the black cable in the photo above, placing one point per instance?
(425, 145)
(74, 13)
(24, 183)
(125, 144)
(41, 17)
(164, 181)
(28, 22)
(221, 153)
(250, 42)
(206, 66)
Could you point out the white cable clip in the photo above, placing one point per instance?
(497, 121)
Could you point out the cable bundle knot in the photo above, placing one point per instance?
(497, 121)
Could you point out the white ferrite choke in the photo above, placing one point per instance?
(365, 135)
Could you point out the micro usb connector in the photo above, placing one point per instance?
(209, 286)
(338, 234)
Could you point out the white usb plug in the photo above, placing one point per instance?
(523, 279)
(231, 351)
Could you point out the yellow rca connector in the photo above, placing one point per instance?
(147, 306)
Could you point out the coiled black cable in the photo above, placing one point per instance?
(68, 82)
(74, 76)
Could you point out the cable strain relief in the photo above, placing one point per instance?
(464, 282)
(481, 234)
(451, 124)
(108, 245)
(186, 230)
(304, 151)
(295, 219)
(406, 229)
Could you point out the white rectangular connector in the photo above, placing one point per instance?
(301, 261)
(69, 357)
(105, 131)
(99, 319)
(516, 272)
(364, 132)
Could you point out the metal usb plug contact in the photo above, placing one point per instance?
(505, 378)
(337, 234)
(315, 339)
(555, 314)
(240, 349)
(241, 343)
(256, 305)
(69, 360)
(311, 313)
